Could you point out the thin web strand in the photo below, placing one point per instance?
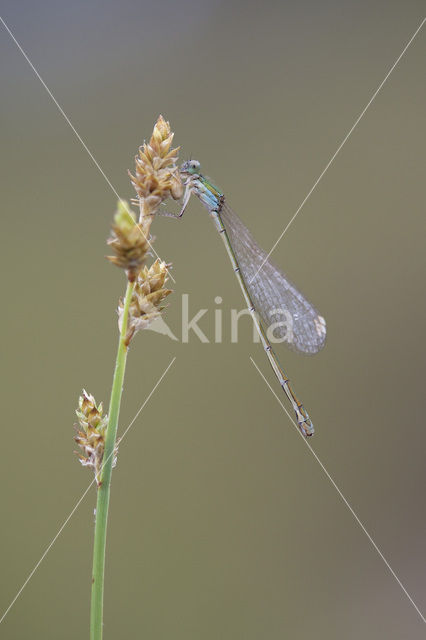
(352, 511)
(68, 518)
(79, 138)
(341, 145)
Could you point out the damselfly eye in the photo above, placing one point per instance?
(190, 166)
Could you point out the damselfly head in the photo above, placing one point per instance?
(190, 167)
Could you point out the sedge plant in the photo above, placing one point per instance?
(156, 178)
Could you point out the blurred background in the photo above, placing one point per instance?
(223, 525)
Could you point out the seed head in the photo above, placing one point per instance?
(91, 435)
(156, 173)
(148, 294)
(129, 240)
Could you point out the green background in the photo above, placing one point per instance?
(223, 525)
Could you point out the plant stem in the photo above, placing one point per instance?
(96, 609)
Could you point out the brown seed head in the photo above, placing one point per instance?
(156, 173)
(91, 435)
(129, 240)
(148, 294)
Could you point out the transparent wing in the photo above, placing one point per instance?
(296, 322)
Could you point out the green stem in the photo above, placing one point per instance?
(96, 609)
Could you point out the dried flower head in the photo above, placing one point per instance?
(148, 294)
(91, 435)
(129, 240)
(156, 173)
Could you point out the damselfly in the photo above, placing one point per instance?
(266, 289)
